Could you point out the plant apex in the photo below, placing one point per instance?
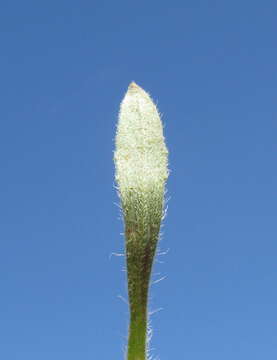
(133, 86)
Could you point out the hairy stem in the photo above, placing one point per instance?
(140, 251)
(138, 332)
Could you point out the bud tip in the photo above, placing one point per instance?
(133, 86)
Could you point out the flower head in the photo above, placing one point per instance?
(141, 155)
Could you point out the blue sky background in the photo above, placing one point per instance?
(211, 67)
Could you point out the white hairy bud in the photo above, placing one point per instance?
(141, 154)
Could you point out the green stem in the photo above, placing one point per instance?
(138, 284)
(140, 251)
(137, 334)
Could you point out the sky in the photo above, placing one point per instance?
(210, 67)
